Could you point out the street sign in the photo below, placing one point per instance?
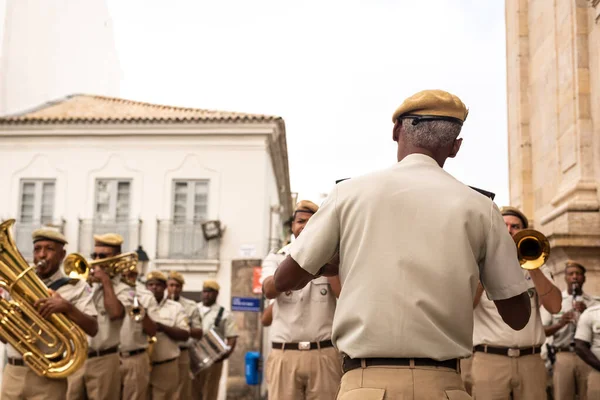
(245, 304)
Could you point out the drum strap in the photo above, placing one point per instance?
(219, 317)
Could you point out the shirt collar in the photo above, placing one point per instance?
(418, 158)
(54, 277)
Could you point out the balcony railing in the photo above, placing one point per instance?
(23, 230)
(184, 241)
(130, 230)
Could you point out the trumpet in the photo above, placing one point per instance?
(76, 266)
(533, 248)
(137, 312)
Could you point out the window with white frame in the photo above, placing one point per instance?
(112, 200)
(190, 201)
(37, 201)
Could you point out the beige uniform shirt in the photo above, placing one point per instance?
(193, 314)
(564, 336)
(227, 327)
(305, 315)
(109, 332)
(413, 243)
(490, 329)
(169, 313)
(132, 333)
(76, 292)
(588, 328)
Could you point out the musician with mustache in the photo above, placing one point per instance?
(71, 297)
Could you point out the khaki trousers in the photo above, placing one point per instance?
(402, 383)
(164, 380)
(593, 385)
(184, 389)
(135, 374)
(495, 377)
(466, 365)
(303, 374)
(570, 376)
(21, 383)
(98, 379)
(206, 383)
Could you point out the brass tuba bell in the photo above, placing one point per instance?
(533, 248)
(76, 266)
(54, 347)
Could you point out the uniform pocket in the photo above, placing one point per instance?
(457, 395)
(363, 394)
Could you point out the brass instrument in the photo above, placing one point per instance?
(137, 312)
(533, 248)
(53, 347)
(76, 266)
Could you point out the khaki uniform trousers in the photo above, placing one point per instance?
(164, 380)
(21, 383)
(184, 389)
(135, 374)
(303, 374)
(495, 377)
(402, 383)
(98, 379)
(206, 383)
(466, 365)
(570, 375)
(593, 385)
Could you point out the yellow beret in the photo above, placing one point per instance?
(436, 103)
(211, 285)
(306, 206)
(109, 239)
(156, 275)
(176, 276)
(48, 234)
(515, 212)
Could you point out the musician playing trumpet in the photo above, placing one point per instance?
(71, 297)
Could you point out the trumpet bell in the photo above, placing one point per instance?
(76, 266)
(533, 248)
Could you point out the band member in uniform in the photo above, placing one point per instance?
(505, 361)
(100, 377)
(587, 346)
(71, 297)
(569, 371)
(175, 284)
(173, 327)
(412, 243)
(206, 383)
(135, 335)
(303, 362)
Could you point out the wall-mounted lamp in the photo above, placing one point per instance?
(212, 229)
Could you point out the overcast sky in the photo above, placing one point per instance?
(334, 70)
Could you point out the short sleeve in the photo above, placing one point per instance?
(500, 272)
(269, 266)
(83, 299)
(584, 327)
(195, 319)
(230, 327)
(320, 238)
(181, 318)
(125, 294)
(546, 317)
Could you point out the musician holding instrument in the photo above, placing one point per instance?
(587, 347)
(100, 377)
(506, 361)
(173, 328)
(175, 282)
(412, 242)
(71, 297)
(569, 371)
(136, 332)
(303, 362)
(214, 316)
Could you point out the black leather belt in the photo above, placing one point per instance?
(183, 348)
(132, 352)
(564, 349)
(18, 362)
(164, 362)
(353, 363)
(303, 345)
(508, 351)
(100, 353)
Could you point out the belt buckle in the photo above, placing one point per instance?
(514, 352)
(303, 345)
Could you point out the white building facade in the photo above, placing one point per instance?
(92, 164)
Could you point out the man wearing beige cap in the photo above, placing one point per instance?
(71, 297)
(175, 284)
(303, 362)
(505, 361)
(173, 328)
(413, 242)
(100, 377)
(206, 383)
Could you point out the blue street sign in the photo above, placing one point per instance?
(245, 304)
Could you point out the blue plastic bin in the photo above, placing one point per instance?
(253, 368)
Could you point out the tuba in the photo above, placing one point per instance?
(533, 248)
(76, 266)
(53, 347)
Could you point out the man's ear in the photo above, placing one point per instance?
(455, 148)
(396, 130)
